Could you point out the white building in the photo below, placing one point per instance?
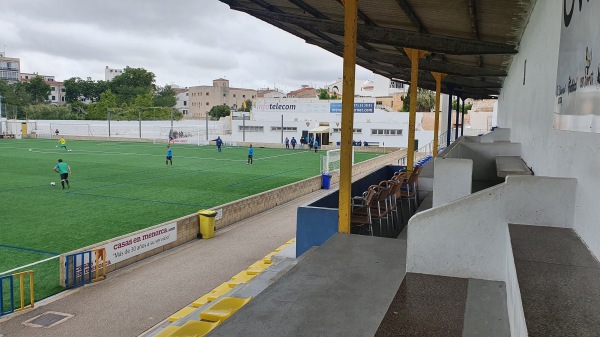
(10, 68)
(110, 73)
(306, 116)
(379, 86)
(57, 89)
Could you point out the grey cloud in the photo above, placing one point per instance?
(186, 42)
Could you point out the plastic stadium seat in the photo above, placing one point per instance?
(223, 308)
(219, 291)
(201, 301)
(167, 331)
(194, 329)
(181, 314)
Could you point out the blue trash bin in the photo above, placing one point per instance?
(325, 181)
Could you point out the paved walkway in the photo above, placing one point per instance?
(136, 298)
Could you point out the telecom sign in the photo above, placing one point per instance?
(358, 108)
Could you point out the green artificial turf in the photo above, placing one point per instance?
(121, 187)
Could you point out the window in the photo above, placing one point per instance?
(206, 103)
(224, 95)
(63, 98)
(185, 112)
(186, 93)
(249, 128)
(243, 96)
(387, 132)
(252, 96)
(285, 128)
(63, 90)
(52, 88)
(184, 103)
(338, 130)
(233, 95)
(54, 98)
(206, 94)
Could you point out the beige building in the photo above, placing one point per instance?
(10, 68)
(202, 98)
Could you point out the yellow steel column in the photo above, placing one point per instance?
(350, 28)
(414, 55)
(436, 130)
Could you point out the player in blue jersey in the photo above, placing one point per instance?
(250, 154)
(219, 142)
(169, 155)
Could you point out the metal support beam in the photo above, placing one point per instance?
(462, 122)
(449, 130)
(457, 117)
(389, 36)
(436, 129)
(400, 60)
(414, 55)
(350, 38)
(411, 15)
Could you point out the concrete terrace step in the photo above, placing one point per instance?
(430, 305)
(343, 288)
(559, 281)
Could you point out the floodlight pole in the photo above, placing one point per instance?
(282, 129)
(243, 127)
(206, 127)
(108, 113)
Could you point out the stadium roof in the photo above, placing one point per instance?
(470, 40)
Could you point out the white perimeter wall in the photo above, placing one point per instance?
(380, 119)
(528, 111)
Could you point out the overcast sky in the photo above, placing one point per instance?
(185, 42)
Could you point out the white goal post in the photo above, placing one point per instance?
(331, 160)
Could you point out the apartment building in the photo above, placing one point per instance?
(203, 98)
(57, 89)
(110, 73)
(10, 68)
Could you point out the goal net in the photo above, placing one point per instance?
(331, 160)
(71, 129)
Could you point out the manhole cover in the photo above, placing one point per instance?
(48, 319)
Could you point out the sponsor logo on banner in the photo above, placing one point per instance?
(358, 108)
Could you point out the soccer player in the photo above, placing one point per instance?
(250, 154)
(64, 170)
(287, 143)
(169, 155)
(219, 143)
(62, 143)
(316, 145)
(293, 141)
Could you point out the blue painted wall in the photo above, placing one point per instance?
(318, 221)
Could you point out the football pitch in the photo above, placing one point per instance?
(121, 187)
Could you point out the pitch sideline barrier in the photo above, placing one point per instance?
(187, 227)
(11, 295)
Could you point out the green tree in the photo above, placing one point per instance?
(38, 89)
(100, 109)
(15, 98)
(219, 111)
(165, 96)
(49, 111)
(247, 106)
(468, 106)
(425, 100)
(324, 94)
(132, 83)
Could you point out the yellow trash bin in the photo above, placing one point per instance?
(207, 224)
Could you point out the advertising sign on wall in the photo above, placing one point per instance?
(133, 245)
(577, 102)
(358, 108)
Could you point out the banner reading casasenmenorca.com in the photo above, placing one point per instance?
(577, 103)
